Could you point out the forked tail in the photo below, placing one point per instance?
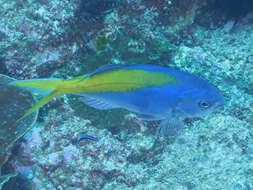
(53, 87)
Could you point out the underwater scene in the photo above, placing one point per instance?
(126, 95)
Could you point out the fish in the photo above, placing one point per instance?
(82, 137)
(152, 92)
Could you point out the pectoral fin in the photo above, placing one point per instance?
(147, 117)
(97, 103)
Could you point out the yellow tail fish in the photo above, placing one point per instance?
(155, 93)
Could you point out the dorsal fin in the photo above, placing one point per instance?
(79, 78)
(111, 67)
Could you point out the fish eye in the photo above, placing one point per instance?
(203, 104)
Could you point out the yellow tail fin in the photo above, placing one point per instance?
(54, 87)
(40, 103)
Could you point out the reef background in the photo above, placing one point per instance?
(62, 39)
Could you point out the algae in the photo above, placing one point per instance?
(101, 42)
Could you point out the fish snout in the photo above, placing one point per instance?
(219, 105)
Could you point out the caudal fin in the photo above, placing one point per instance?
(42, 102)
(53, 88)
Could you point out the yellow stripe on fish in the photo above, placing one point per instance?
(124, 80)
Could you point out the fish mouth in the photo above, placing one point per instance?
(220, 106)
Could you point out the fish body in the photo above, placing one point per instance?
(154, 92)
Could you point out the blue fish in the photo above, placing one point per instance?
(153, 92)
(80, 138)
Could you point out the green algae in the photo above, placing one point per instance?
(101, 42)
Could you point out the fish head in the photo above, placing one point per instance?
(200, 100)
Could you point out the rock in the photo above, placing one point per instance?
(14, 102)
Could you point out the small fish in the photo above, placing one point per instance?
(153, 92)
(86, 137)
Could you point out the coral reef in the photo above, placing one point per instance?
(32, 34)
(91, 165)
(67, 38)
(13, 103)
(133, 158)
(5, 178)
